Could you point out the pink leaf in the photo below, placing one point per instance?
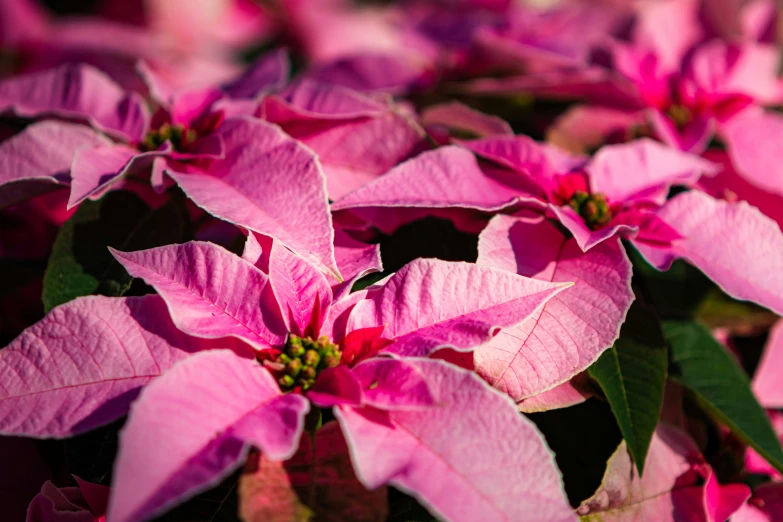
(356, 152)
(495, 467)
(96, 495)
(586, 127)
(303, 293)
(310, 100)
(95, 169)
(655, 168)
(357, 138)
(355, 260)
(268, 73)
(765, 506)
(79, 92)
(734, 244)
(335, 386)
(749, 69)
(444, 178)
(753, 150)
(573, 328)
(431, 304)
(393, 384)
(767, 384)
(585, 237)
(457, 116)
(55, 504)
(191, 428)
(210, 292)
(722, 501)
(268, 183)
(667, 492)
(39, 158)
(669, 29)
(82, 365)
(517, 153)
(561, 396)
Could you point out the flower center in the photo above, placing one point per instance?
(679, 114)
(592, 207)
(304, 359)
(179, 137)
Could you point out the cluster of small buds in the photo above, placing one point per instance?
(179, 137)
(303, 359)
(679, 114)
(592, 207)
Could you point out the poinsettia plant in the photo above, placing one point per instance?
(415, 260)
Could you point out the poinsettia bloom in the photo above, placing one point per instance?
(677, 485)
(312, 349)
(233, 170)
(596, 199)
(686, 92)
(84, 503)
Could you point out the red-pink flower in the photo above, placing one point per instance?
(363, 354)
(621, 190)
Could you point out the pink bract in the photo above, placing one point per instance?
(670, 488)
(572, 330)
(357, 137)
(635, 207)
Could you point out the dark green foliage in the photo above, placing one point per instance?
(632, 374)
(81, 263)
(702, 365)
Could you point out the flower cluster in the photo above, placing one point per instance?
(345, 260)
(303, 360)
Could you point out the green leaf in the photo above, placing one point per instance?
(81, 264)
(720, 386)
(632, 374)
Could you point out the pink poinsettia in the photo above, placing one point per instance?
(232, 169)
(87, 502)
(677, 485)
(686, 91)
(596, 199)
(363, 355)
